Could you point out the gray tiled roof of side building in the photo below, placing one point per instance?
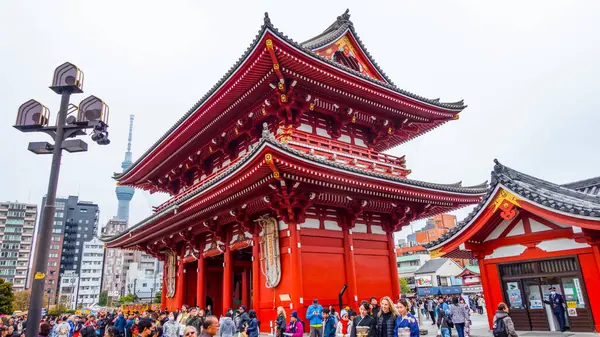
(431, 266)
(559, 197)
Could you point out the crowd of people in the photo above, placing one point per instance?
(375, 318)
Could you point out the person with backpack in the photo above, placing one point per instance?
(503, 324)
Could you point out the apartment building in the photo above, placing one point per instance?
(17, 223)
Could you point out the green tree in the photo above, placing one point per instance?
(158, 297)
(404, 288)
(21, 300)
(7, 297)
(103, 299)
(57, 310)
(129, 298)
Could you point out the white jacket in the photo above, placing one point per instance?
(338, 329)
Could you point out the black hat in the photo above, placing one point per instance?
(315, 301)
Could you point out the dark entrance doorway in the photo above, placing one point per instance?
(242, 277)
(527, 284)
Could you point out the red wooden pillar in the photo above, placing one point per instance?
(255, 269)
(227, 278)
(296, 267)
(393, 266)
(180, 280)
(489, 303)
(163, 294)
(350, 266)
(200, 281)
(245, 289)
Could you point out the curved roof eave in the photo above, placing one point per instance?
(269, 140)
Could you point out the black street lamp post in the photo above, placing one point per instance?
(71, 122)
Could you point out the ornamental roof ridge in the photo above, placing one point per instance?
(336, 30)
(268, 26)
(537, 190)
(459, 105)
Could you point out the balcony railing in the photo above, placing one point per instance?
(327, 148)
(346, 153)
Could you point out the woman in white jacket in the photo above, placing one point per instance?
(344, 326)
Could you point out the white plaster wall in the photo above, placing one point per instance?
(561, 244)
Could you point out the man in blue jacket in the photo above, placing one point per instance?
(556, 301)
(314, 315)
(328, 324)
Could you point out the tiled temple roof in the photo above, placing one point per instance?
(267, 25)
(558, 197)
(588, 186)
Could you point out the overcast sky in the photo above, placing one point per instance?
(528, 70)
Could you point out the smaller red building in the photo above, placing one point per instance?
(471, 280)
(529, 235)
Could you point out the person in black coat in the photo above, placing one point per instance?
(386, 318)
(280, 323)
(556, 301)
(364, 319)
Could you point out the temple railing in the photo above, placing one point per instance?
(322, 147)
(345, 153)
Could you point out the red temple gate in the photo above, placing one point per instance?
(280, 192)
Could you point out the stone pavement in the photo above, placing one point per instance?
(480, 328)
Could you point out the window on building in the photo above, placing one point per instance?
(78, 235)
(80, 221)
(55, 238)
(56, 231)
(59, 214)
(83, 210)
(57, 223)
(52, 264)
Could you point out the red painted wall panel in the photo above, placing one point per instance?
(323, 277)
(314, 241)
(373, 276)
(369, 244)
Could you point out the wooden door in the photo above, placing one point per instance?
(579, 317)
(513, 291)
(536, 311)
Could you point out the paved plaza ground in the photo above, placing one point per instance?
(480, 329)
